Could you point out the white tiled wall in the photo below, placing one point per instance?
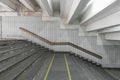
(52, 32)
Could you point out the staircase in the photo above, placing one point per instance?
(19, 56)
(24, 60)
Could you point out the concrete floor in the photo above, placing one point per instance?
(114, 72)
(67, 67)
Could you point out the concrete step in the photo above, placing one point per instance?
(15, 70)
(12, 46)
(93, 72)
(32, 70)
(11, 43)
(14, 60)
(13, 49)
(43, 69)
(85, 59)
(14, 53)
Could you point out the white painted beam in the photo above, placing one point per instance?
(111, 29)
(106, 22)
(98, 9)
(62, 7)
(113, 8)
(112, 36)
(27, 4)
(69, 27)
(46, 5)
(4, 7)
(40, 4)
(76, 10)
(67, 7)
(102, 41)
(9, 4)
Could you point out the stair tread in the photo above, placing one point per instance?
(89, 70)
(14, 71)
(10, 47)
(13, 53)
(10, 62)
(5, 51)
(31, 71)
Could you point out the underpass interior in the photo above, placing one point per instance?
(59, 39)
(23, 60)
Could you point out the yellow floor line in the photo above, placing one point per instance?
(67, 66)
(49, 67)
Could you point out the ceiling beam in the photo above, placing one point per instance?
(46, 5)
(97, 10)
(110, 21)
(112, 36)
(27, 4)
(62, 7)
(76, 10)
(9, 4)
(65, 6)
(111, 29)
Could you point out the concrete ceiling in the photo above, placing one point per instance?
(4, 9)
(71, 10)
(56, 7)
